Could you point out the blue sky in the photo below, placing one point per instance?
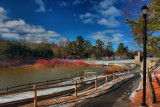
(60, 19)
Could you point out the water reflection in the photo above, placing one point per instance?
(16, 76)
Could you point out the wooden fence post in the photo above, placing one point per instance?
(151, 89)
(75, 88)
(57, 79)
(96, 83)
(113, 77)
(35, 96)
(61, 81)
(106, 79)
(7, 90)
(29, 85)
(47, 83)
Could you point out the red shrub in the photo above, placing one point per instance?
(80, 62)
(43, 62)
(54, 62)
(67, 63)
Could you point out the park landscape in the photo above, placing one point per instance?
(71, 56)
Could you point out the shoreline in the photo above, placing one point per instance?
(49, 67)
(67, 65)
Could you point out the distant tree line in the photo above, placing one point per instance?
(18, 50)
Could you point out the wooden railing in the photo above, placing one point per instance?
(94, 83)
(150, 86)
(43, 84)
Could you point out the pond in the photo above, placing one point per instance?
(17, 76)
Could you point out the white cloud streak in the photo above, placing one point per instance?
(41, 6)
(105, 14)
(3, 14)
(112, 11)
(106, 3)
(109, 36)
(14, 28)
(111, 22)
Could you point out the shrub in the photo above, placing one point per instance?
(80, 62)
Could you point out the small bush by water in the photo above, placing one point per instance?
(55, 63)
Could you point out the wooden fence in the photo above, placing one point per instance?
(150, 86)
(79, 87)
(43, 84)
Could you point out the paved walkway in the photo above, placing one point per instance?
(118, 97)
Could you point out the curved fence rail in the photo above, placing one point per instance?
(43, 84)
(80, 86)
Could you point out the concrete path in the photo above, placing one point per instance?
(118, 97)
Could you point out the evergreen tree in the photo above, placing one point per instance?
(136, 22)
(109, 50)
(99, 49)
(122, 50)
(87, 50)
(80, 45)
(72, 48)
(153, 24)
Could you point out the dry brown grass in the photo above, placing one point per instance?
(114, 69)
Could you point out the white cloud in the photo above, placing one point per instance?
(76, 2)
(88, 17)
(41, 4)
(105, 13)
(117, 38)
(106, 3)
(102, 35)
(112, 11)
(111, 22)
(10, 35)
(2, 10)
(118, 35)
(14, 28)
(13, 23)
(82, 16)
(88, 20)
(4, 30)
(3, 14)
(126, 41)
(53, 40)
(109, 36)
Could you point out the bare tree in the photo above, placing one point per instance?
(63, 44)
(44, 40)
(32, 41)
(22, 38)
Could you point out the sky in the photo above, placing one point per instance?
(61, 19)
